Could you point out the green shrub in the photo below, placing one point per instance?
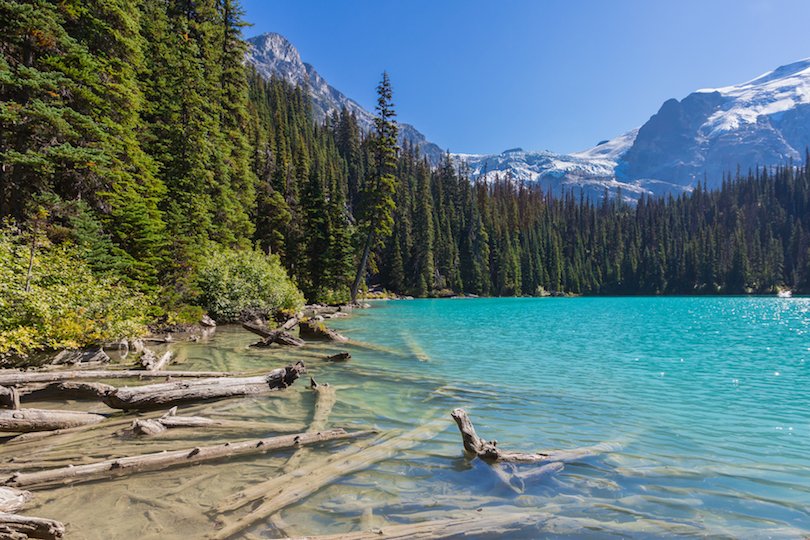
(67, 305)
(239, 285)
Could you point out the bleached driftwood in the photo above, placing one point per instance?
(489, 522)
(156, 396)
(280, 335)
(285, 490)
(12, 499)
(26, 420)
(162, 460)
(150, 361)
(15, 527)
(153, 426)
(26, 377)
(325, 399)
(489, 451)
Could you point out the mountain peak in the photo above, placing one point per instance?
(272, 54)
(276, 46)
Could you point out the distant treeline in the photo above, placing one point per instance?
(135, 131)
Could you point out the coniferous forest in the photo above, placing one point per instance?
(142, 159)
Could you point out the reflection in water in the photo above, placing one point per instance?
(708, 441)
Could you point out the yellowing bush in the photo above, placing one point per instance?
(67, 307)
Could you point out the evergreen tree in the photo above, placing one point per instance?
(378, 192)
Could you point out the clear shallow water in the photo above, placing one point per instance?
(705, 403)
(708, 398)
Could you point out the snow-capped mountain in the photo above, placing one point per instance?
(590, 171)
(271, 54)
(763, 122)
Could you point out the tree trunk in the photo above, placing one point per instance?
(156, 396)
(13, 526)
(26, 420)
(162, 460)
(485, 522)
(25, 377)
(280, 492)
(361, 268)
(489, 451)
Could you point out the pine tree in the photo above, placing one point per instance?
(380, 187)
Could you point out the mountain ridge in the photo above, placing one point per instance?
(711, 132)
(271, 53)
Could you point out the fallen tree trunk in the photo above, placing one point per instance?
(25, 377)
(156, 396)
(163, 460)
(280, 337)
(280, 492)
(265, 332)
(257, 329)
(317, 330)
(153, 426)
(150, 361)
(27, 420)
(489, 451)
(324, 402)
(17, 527)
(488, 522)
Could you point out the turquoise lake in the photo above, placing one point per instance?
(699, 407)
(704, 401)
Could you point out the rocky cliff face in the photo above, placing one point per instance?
(763, 122)
(271, 54)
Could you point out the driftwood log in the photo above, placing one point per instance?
(27, 420)
(489, 451)
(150, 360)
(317, 330)
(12, 499)
(486, 522)
(162, 460)
(156, 396)
(153, 426)
(28, 377)
(280, 335)
(282, 491)
(325, 399)
(15, 527)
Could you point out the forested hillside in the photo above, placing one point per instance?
(135, 142)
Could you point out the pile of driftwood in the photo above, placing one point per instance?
(177, 387)
(308, 328)
(301, 476)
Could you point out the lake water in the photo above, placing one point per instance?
(700, 405)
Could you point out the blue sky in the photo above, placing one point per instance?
(478, 76)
